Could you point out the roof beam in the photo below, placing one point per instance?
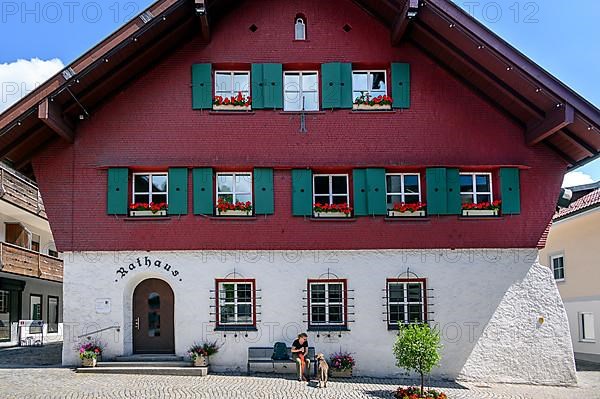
(200, 10)
(408, 12)
(50, 114)
(555, 120)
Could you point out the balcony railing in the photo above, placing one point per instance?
(25, 262)
(21, 192)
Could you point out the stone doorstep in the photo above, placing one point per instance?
(149, 358)
(146, 370)
(146, 364)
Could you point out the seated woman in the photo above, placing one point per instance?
(300, 356)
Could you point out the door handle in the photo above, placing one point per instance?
(137, 323)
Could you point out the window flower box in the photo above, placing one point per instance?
(482, 209)
(367, 103)
(402, 209)
(233, 103)
(332, 211)
(406, 214)
(374, 107)
(225, 208)
(148, 210)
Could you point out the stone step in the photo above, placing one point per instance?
(140, 364)
(149, 358)
(177, 371)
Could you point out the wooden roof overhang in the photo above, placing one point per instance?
(552, 114)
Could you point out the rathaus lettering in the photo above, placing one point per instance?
(147, 263)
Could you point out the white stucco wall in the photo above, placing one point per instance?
(584, 350)
(470, 288)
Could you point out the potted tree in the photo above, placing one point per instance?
(201, 353)
(417, 349)
(341, 365)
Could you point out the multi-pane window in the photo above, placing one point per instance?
(327, 302)
(4, 316)
(150, 187)
(234, 187)
(402, 187)
(558, 266)
(331, 189)
(35, 307)
(231, 83)
(52, 314)
(300, 29)
(372, 83)
(406, 301)
(476, 188)
(236, 302)
(587, 327)
(301, 91)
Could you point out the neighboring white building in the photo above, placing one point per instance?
(31, 269)
(573, 252)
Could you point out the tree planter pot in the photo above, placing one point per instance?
(480, 212)
(148, 213)
(238, 108)
(337, 215)
(233, 213)
(415, 214)
(366, 107)
(89, 362)
(334, 373)
(201, 361)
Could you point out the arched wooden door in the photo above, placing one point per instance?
(153, 317)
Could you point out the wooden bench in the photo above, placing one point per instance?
(260, 361)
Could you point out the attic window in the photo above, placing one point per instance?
(347, 28)
(300, 29)
(253, 28)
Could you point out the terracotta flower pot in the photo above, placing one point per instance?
(201, 361)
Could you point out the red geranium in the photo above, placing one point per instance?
(404, 207)
(153, 206)
(491, 206)
(239, 101)
(334, 208)
(223, 205)
(368, 100)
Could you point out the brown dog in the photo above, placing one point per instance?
(322, 370)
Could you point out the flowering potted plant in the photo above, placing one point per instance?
(90, 352)
(201, 353)
(233, 103)
(151, 209)
(341, 365)
(225, 208)
(415, 393)
(332, 211)
(482, 209)
(402, 209)
(367, 103)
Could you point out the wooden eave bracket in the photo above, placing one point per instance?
(556, 119)
(200, 10)
(409, 12)
(50, 113)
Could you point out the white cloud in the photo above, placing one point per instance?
(19, 78)
(576, 179)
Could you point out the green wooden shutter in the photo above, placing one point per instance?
(202, 90)
(336, 85)
(453, 200)
(118, 180)
(376, 202)
(436, 191)
(203, 191)
(346, 99)
(302, 193)
(359, 182)
(263, 191)
(258, 91)
(273, 85)
(401, 85)
(510, 189)
(178, 191)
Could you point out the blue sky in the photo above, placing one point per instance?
(559, 35)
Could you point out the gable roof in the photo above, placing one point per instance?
(552, 114)
(583, 204)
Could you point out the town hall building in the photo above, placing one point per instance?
(246, 171)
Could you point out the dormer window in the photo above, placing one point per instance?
(300, 29)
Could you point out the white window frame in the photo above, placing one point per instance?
(301, 90)
(405, 302)
(235, 193)
(557, 256)
(327, 303)
(370, 73)
(300, 22)
(236, 302)
(331, 195)
(233, 92)
(402, 188)
(474, 185)
(581, 319)
(149, 194)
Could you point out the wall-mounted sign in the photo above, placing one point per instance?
(103, 306)
(146, 263)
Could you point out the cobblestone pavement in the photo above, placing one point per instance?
(47, 355)
(64, 383)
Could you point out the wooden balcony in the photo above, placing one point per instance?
(21, 192)
(25, 262)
